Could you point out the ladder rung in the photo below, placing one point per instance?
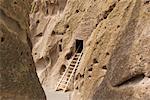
(62, 84)
(71, 67)
(72, 64)
(78, 54)
(76, 57)
(64, 81)
(74, 61)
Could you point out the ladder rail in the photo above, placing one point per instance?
(66, 69)
(64, 73)
(73, 71)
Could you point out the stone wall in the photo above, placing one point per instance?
(18, 78)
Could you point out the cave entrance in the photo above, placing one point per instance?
(79, 45)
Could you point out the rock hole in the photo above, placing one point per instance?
(97, 42)
(77, 88)
(21, 53)
(95, 60)
(104, 67)
(53, 32)
(118, 26)
(67, 26)
(89, 76)
(107, 53)
(2, 39)
(105, 27)
(46, 11)
(39, 35)
(90, 69)
(35, 53)
(77, 11)
(62, 69)
(37, 22)
(81, 76)
(15, 2)
(96, 25)
(60, 40)
(78, 76)
(106, 13)
(69, 55)
(146, 1)
(60, 48)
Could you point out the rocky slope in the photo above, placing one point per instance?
(18, 78)
(115, 34)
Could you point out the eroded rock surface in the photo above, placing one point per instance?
(116, 53)
(18, 78)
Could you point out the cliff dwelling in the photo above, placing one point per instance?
(79, 45)
(74, 49)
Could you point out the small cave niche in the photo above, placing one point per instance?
(97, 42)
(82, 76)
(21, 53)
(90, 69)
(107, 53)
(95, 60)
(118, 26)
(46, 11)
(38, 21)
(39, 35)
(77, 11)
(15, 2)
(60, 48)
(77, 88)
(89, 76)
(104, 67)
(67, 26)
(2, 39)
(78, 76)
(53, 33)
(146, 1)
(96, 25)
(69, 55)
(35, 53)
(62, 69)
(61, 40)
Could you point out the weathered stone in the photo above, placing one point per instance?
(18, 78)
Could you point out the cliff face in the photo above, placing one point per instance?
(119, 45)
(116, 48)
(18, 80)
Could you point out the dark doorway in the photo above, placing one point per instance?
(79, 46)
(60, 48)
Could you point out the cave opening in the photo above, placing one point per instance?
(60, 47)
(62, 70)
(79, 45)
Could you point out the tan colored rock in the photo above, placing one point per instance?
(18, 79)
(115, 33)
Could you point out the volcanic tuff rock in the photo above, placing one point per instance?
(18, 80)
(116, 54)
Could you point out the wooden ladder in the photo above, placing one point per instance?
(66, 78)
